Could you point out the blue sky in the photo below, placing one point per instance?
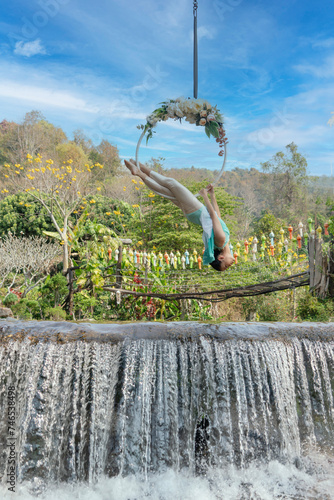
(103, 66)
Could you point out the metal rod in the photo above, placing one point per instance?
(195, 51)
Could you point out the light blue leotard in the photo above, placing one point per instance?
(202, 218)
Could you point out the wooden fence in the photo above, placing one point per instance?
(321, 267)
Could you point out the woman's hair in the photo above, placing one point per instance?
(216, 264)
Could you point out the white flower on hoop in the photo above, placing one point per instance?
(195, 111)
(198, 111)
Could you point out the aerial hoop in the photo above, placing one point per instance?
(195, 111)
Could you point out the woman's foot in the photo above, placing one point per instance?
(132, 167)
(143, 167)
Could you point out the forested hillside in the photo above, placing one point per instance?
(65, 203)
(281, 186)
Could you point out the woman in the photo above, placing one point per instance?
(216, 235)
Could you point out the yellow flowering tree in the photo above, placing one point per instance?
(60, 188)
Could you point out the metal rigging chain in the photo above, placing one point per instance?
(195, 66)
(195, 7)
(195, 50)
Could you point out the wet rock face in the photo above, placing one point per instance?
(141, 406)
(187, 331)
(232, 402)
(5, 312)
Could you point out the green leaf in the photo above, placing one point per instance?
(81, 282)
(207, 130)
(213, 127)
(52, 235)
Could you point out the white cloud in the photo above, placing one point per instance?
(327, 43)
(29, 49)
(40, 95)
(321, 70)
(284, 135)
(205, 32)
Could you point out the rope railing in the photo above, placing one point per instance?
(219, 295)
(149, 274)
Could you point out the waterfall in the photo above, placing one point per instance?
(95, 404)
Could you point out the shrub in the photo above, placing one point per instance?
(55, 313)
(310, 308)
(84, 304)
(275, 306)
(10, 300)
(54, 290)
(20, 310)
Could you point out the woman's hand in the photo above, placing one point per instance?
(203, 192)
(209, 189)
(211, 192)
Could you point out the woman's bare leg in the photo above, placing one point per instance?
(167, 187)
(150, 183)
(187, 201)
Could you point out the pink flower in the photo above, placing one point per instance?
(211, 118)
(202, 121)
(203, 114)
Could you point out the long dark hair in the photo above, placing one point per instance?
(216, 264)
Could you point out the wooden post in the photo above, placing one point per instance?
(311, 250)
(321, 268)
(146, 273)
(331, 270)
(318, 264)
(119, 269)
(294, 305)
(70, 292)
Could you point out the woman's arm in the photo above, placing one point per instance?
(211, 192)
(218, 232)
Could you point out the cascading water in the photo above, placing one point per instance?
(235, 411)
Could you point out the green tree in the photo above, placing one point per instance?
(22, 215)
(80, 139)
(287, 184)
(90, 242)
(71, 151)
(58, 188)
(267, 223)
(115, 214)
(7, 130)
(108, 155)
(35, 135)
(54, 291)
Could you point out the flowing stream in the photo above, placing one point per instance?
(168, 411)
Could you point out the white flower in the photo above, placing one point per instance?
(174, 109)
(152, 119)
(183, 106)
(190, 109)
(179, 112)
(195, 105)
(191, 118)
(187, 106)
(170, 111)
(202, 102)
